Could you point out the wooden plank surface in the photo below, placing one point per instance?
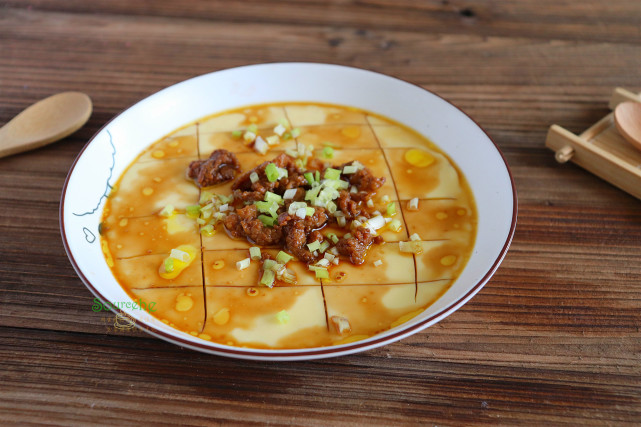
(552, 338)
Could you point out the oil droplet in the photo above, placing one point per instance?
(184, 303)
(252, 292)
(123, 222)
(158, 154)
(364, 299)
(165, 321)
(441, 215)
(141, 233)
(173, 144)
(131, 209)
(146, 223)
(118, 246)
(194, 333)
(253, 119)
(461, 212)
(218, 264)
(351, 132)
(147, 191)
(204, 337)
(180, 150)
(222, 316)
(230, 343)
(157, 179)
(448, 260)
(418, 158)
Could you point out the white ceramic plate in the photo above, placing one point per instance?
(117, 144)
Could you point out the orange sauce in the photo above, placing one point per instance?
(146, 217)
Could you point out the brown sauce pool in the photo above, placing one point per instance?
(215, 301)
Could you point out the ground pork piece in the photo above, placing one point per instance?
(247, 191)
(364, 180)
(233, 226)
(356, 246)
(245, 223)
(351, 208)
(255, 230)
(300, 231)
(221, 166)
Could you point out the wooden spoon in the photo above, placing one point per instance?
(627, 117)
(46, 121)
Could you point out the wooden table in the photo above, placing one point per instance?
(552, 339)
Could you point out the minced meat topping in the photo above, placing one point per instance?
(286, 201)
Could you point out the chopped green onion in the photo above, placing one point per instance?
(243, 264)
(378, 263)
(201, 221)
(294, 206)
(415, 237)
(411, 247)
(254, 253)
(282, 317)
(317, 176)
(252, 128)
(205, 197)
(324, 246)
(271, 170)
(289, 277)
(395, 225)
(268, 278)
(412, 205)
(314, 246)
(168, 211)
(269, 264)
(331, 207)
(321, 273)
(260, 145)
(283, 122)
(193, 211)
(273, 197)
(179, 255)
(309, 211)
(208, 230)
(323, 262)
(309, 177)
(280, 130)
(391, 208)
(286, 136)
(370, 203)
(331, 173)
(347, 236)
(290, 193)
(349, 170)
(328, 152)
(295, 132)
(267, 220)
(283, 257)
(249, 136)
(333, 237)
(169, 265)
(291, 153)
(237, 134)
(272, 140)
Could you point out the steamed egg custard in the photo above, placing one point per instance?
(287, 226)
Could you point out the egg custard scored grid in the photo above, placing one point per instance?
(211, 291)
